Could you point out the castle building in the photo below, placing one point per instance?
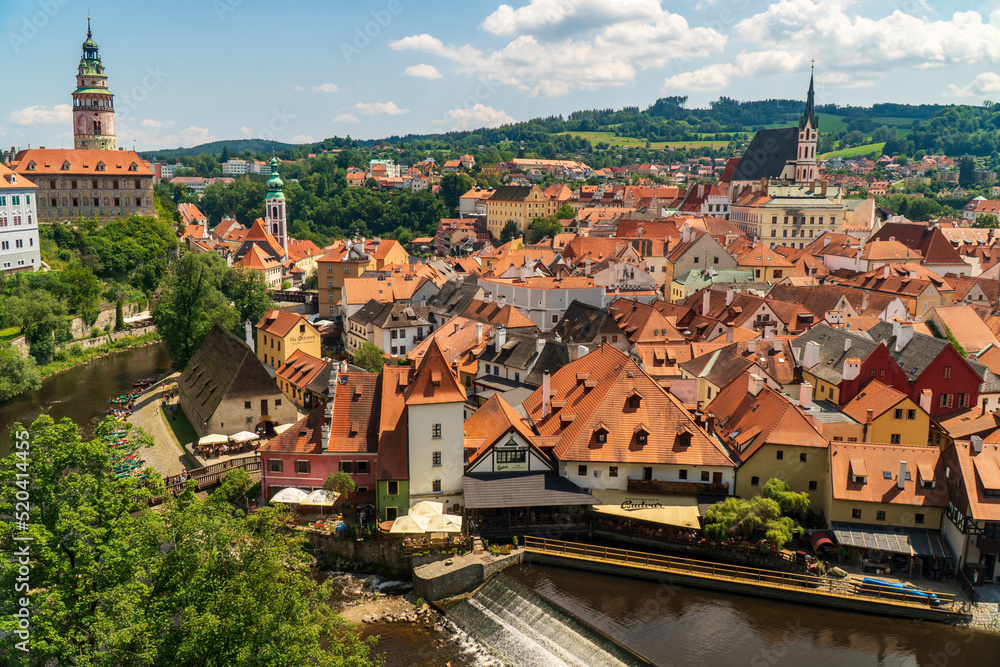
(95, 179)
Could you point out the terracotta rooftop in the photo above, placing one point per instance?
(881, 464)
(874, 396)
(434, 381)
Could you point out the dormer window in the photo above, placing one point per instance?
(634, 399)
(601, 434)
(100, 166)
(65, 165)
(133, 167)
(641, 434)
(32, 166)
(859, 472)
(926, 475)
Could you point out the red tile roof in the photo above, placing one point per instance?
(434, 381)
(881, 463)
(280, 322)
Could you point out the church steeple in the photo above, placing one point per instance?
(809, 115)
(93, 103)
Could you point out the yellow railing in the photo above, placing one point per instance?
(802, 583)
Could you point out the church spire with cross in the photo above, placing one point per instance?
(809, 115)
(805, 160)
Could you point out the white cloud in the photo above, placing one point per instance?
(619, 39)
(380, 109)
(718, 76)
(986, 83)
(152, 136)
(303, 139)
(247, 131)
(346, 118)
(423, 71)
(479, 116)
(326, 88)
(193, 136)
(157, 124)
(40, 115)
(298, 89)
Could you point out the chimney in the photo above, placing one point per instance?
(903, 331)
(826, 240)
(977, 444)
(805, 396)
(852, 368)
(539, 345)
(810, 356)
(488, 297)
(847, 343)
(249, 332)
(500, 338)
(752, 345)
(885, 272)
(587, 266)
(729, 296)
(706, 302)
(457, 327)
(926, 396)
(822, 191)
(546, 395)
(901, 475)
(503, 300)
(729, 334)
(479, 333)
(756, 384)
(769, 333)
(710, 422)
(581, 351)
(815, 184)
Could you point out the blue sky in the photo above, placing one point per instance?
(191, 71)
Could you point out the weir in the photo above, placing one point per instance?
(526, 630)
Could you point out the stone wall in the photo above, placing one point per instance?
(458, 575)
(88, 343)
(366, 555)
(78, 328)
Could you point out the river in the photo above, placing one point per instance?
(681, 627)
(81, 393)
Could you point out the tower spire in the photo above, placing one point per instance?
(809, 114)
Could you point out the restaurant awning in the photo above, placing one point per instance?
(525, 489)
(667, 510)
(892, 539)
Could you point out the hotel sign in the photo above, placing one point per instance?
(633, 504)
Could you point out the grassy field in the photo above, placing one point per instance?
(613, 141)
(865, 149)
(827, 123)
(9, 334)
(180, 427)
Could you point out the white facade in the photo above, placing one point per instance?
(436, 438)
(545, 307)
(19, 249)
(235, 167)
(512, 454)
(611, 475)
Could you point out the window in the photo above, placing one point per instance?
(856, 513)
(275, 465)
(898, 414)
(813, 485)
(246, 405)
(612, 471)
(347, 467)
(277, 402)
(682, 474)
(911, 414)
(963, 400)
(946, 373)
(602, 436)
(755, 481)
(780, 455)
(705, 476)
(581, 470)
(802, 457)
(436, 431)
(436, 459)
(894, 439)
(392, 488)
(880, 515)
(436, 486)
(511, 456)
(302, 467)
(946, 401)
(918, 518)
(362, 467)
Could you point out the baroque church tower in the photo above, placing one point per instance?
(805, 162)
(274, 208)
(93, 103)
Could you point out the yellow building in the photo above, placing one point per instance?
(519, 203)
(280, 333)
(789, 215)
(886, 485)
(350, 259)
(889, 416)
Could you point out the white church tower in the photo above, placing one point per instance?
(275, 209)
(805, 162)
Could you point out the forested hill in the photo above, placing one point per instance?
(233, 146)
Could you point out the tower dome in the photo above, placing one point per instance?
(274, 184)
(93, 103)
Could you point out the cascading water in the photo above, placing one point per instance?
(524, 630)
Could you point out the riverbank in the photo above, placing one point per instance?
(167, 455)
(72, 360)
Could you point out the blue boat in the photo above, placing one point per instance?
(896, 587)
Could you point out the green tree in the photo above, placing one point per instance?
(116, 583)
(249, 294)
(191, 302)
(369, 357)
(82, 291)
(542, 227)
(119, 316)
(37, 314)
(340, 483)
(791, 502)
(967, 172)
(510, 231)
(987, 221)
(224, 157)
(746, 519)
(454, 186)
(312, 280)
(17, 374)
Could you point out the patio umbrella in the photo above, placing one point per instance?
(442, 523)
(406, 525)
(320, 498)
(244, 436)
(427, 508)
(214, 439)
(290, 495)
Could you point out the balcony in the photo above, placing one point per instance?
(677, 488)
(988, 545)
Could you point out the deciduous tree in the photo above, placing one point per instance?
(369, 357)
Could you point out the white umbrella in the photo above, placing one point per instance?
(427, 508)
(244, 436)
(321, 498)
(214, 439)
(442, 523)
(290, 495)
(406, 525)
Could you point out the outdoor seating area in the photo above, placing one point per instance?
(215, 446)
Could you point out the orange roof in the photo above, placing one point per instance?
(257, 260)
(298, 249)
(259, 234)
(601, 399)
(193, 231)
(876, 397)
(978, 476)
(280, 322)
(456, 339)
(190, 212)
(352, 427)
(11, 181)
(300, 368)
(493, 421)
(393, 451)
(363, 290)
(434, 381)
(881, 462)
(52, 160)
(492, 313)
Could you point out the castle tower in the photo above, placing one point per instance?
(93, 103)
(805, 162)
(274, 207)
